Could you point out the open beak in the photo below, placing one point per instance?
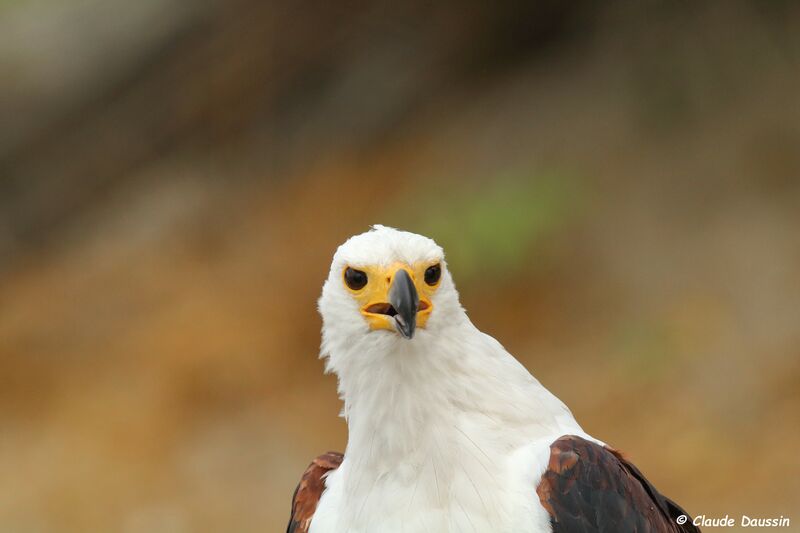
(392, 301)
(405, 300)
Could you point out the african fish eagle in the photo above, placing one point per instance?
(447, 431)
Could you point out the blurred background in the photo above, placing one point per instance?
(616, 185)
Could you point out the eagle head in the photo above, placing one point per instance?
(386, 287)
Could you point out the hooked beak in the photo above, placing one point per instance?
(392, 300)
(405, 300)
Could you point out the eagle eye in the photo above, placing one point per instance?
(432, 274)
(355, 279)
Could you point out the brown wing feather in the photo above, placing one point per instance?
(308, 491)
(592, 488)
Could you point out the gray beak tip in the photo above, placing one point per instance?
(405, 329)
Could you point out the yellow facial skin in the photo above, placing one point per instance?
(375, 294)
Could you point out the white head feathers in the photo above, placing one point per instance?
(345, 333)
(382, 245)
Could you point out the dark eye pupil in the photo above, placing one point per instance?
(355, 279)
(432, 274)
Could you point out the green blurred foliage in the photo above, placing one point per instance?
(493, 226)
